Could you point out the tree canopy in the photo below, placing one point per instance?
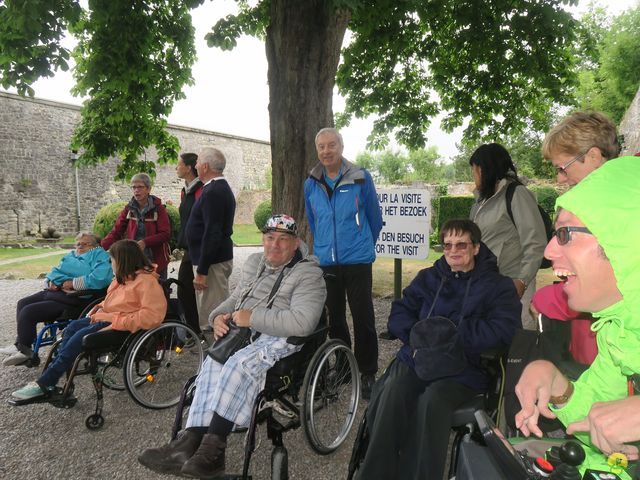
(610, 73)
(491, 65)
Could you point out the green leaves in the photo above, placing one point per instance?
(30, 34)
(494, 64)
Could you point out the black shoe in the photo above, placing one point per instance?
(171, 457)
(387, 335)
(366, 384)
(208, 461)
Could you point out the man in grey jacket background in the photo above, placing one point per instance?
(225, 393)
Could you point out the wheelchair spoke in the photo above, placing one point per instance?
(160, 363)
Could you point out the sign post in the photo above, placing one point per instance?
(406, 220)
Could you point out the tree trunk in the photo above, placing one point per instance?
(303, 44)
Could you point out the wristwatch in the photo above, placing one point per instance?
(564, 398)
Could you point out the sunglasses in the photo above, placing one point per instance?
(562, 169)
(456, 246)
(563, 234)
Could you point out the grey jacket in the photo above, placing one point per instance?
(296, 306)
(519, 251)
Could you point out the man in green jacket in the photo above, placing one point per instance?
(596, 248)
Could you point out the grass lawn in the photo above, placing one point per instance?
(32, 268)
(7, 253)
(246, 235)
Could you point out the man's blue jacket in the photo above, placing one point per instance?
(345, 222)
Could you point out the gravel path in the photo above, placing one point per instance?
(42, 442)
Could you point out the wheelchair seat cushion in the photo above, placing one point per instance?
(104, 339)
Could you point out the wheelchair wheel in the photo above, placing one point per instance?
(330, 396)
(159, 362)
(94, 422)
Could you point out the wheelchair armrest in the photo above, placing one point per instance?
(494, 354)
(95, 293)
(317, 334)
(106, 339)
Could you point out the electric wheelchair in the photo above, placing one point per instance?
(317, 388)
(150, 364)
(463, 422)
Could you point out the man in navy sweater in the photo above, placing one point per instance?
(209, 234)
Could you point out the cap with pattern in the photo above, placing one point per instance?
(281, 223)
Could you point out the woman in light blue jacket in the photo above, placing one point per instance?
(88, 267)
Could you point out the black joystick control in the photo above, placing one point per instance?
(572, 453)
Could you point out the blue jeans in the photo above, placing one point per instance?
(69, 349)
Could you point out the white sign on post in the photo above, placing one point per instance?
(406, 217)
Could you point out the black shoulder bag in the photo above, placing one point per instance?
(437, 348)
(239, 337)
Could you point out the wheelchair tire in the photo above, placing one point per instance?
(331, 390)
(159, 362)
(279, 464)
(94, 422)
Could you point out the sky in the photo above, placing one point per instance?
(230, 94)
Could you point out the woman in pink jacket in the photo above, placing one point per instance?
(135, 300)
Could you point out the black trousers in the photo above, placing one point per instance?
(409, 424)
(186, 292)
(44, 306)
(355, 282)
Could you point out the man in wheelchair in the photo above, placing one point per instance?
(281, 293)
(135, 300)
(595, 248)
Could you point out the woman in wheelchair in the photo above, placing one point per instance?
(135, 300)
(85, 268)
(281, 293)
(447, 316)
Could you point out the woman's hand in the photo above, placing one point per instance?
(67, 285)
(220, 327)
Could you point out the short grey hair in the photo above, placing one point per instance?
(92, 236)
(332, 131)
(142, 177)
(214, 158)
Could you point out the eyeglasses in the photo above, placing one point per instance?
(563, 234)
(456, 246)
(84, 244)
(138, 187)
(562, 169)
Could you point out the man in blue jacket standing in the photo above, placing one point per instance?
(345, 219)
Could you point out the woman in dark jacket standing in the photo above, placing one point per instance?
(186, 170)
(410, 418)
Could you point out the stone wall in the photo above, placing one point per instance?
(630, 127)
(37, 181)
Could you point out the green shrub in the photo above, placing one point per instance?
(453, 207)
(546, 196)
(262, 213)
(107, 215)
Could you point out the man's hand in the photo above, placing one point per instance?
(611, 425)
(220, 327)
(520, 286)
(539, 381)
(141, 244)
(200, 282)
(242, 318)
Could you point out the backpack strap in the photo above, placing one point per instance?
(511, 188)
